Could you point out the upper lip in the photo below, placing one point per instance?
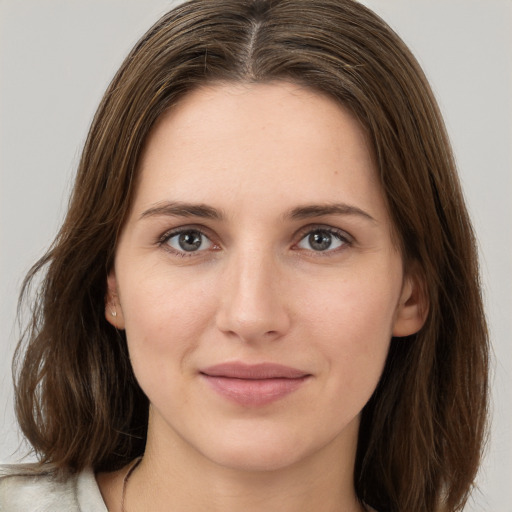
(239, 370)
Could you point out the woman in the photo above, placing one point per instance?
(265, 293)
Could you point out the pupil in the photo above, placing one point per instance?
(320, 240)
(190, 241)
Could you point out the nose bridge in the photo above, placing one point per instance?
(252, 305)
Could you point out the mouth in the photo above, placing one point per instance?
(253, 385)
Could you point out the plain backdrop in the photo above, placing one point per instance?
(57, 57)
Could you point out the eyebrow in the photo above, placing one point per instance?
(319, 210)
(181, 209)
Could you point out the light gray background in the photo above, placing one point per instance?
(57, 57)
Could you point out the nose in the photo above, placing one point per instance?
(253, 305)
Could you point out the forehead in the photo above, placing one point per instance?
(258, 112)
(276, 139)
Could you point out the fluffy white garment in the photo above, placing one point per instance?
(23, 490)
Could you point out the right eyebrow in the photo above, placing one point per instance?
(181, 209)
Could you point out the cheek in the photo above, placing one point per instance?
(351, 321)
(164, 320)
(360, 305)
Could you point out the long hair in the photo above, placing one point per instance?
(421, 433)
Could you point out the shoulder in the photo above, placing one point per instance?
(23, 489)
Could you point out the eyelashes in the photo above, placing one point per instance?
(190, 241)
(323, 239)
(187, 241)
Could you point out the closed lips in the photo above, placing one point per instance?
(254, 372)
(254, 385)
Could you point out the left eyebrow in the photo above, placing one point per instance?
(319, 210)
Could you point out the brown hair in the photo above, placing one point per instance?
(421, 433)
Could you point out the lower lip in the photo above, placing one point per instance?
(254, 392)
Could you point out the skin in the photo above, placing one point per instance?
(257, 290)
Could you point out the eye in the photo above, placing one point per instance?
(187, 241)
(322, 240)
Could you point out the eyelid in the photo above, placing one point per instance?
(305, 230)
(167, 235)
(339, 233)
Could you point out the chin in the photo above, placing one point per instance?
(260, 459)
(266, 452)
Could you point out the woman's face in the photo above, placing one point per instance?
(257, 279)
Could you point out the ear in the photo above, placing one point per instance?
(113, 310)
(413, 306)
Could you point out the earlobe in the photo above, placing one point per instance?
(412, 309)
(113, 310)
